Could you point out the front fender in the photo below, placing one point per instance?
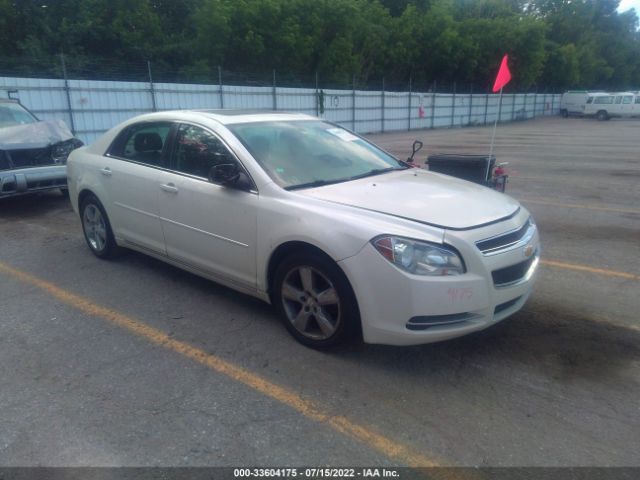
(339, 231)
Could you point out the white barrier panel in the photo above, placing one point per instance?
(91, 107)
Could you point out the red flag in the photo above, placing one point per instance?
(504, 75)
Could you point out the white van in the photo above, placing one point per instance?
(621, 104)
(573, 102)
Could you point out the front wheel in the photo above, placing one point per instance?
(97, 229)
(564, 113)
(602, 115)
(315, 301)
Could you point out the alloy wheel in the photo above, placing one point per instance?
(95, 227)
(311, 302)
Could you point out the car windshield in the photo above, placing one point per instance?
(12, 114)
(304, 154)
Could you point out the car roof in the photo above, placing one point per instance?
(226, 117)
(248, 116)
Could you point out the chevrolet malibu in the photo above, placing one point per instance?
(339, 236)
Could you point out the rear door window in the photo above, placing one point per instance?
(144, 143)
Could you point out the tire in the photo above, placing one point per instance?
(312, 289)
(564, 113)
(602, 115)
(97, 229)
(64, 192)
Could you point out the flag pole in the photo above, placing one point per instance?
(493, 136)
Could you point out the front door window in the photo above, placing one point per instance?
(198, 150)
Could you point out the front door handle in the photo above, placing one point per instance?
(106, 171)
(169, 187)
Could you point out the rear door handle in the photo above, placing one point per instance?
(106, 171)
(169, 187)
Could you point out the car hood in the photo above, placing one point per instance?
(422, 196)
(34, 135)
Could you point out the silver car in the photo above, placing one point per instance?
(33, 153)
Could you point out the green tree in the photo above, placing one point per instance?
(551, 43)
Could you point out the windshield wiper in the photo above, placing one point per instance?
(315, 183)
(376, 171)
(320, 183)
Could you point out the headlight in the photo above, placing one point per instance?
(419, 258)
(60, 151)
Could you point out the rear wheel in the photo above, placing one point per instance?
(315, 300)
(602, 115)
(96, 228)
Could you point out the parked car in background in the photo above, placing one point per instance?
(33, 153)
(337, 234)
(621, 104)
(573, 102)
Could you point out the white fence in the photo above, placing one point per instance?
(92, 107)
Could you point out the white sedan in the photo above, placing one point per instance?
(341, 237)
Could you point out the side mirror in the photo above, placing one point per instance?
(224, 173)
(417, 145)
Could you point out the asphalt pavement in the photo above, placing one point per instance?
(133, 362)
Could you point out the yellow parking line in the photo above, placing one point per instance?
(308, 408)
(576, 205)
(584, 268)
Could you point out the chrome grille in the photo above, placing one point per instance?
(504, 306)
(425, 322)
(507, 241)
(515, 274)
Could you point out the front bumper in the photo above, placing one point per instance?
(33, 179)
(398, 308)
